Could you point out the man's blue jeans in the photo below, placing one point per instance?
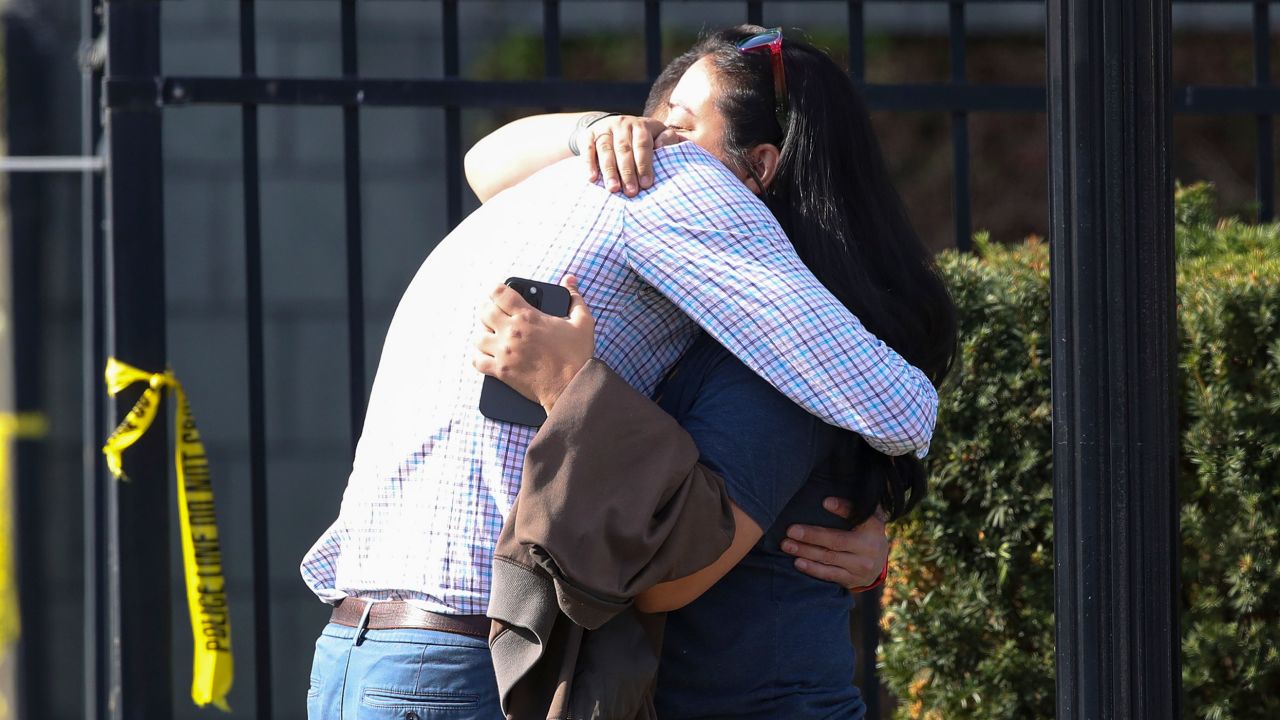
(402, 674)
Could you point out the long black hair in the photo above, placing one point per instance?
(833, 197)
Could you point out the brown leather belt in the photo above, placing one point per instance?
(398, 614)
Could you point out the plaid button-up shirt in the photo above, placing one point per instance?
(433, 478)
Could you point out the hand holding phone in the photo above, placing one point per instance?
(498, 401)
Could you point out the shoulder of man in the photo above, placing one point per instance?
(693, 189)
(563, 179)
(685, 167)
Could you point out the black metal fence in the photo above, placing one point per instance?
(125, 317)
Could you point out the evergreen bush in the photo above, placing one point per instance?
(968, 609)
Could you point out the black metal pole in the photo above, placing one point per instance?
(258, 514)
(857, 42)
(962, 201)
(1114, 427)
(551, 53)
(1265, 172)
(351, 173)
(141, 673)
(870, 619)
(28, 132)
(652, 39)
(97, 649)
(453, 184)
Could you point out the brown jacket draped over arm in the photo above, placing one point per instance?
(613, 501)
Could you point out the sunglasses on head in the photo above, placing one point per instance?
(771, 41)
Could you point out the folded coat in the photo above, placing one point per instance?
(613, 501)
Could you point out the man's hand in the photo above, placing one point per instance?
(535, 353)
(849, 558)
(620, 148)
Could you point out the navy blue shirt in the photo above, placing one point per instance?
(767, 641)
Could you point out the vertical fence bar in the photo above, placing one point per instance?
(755, 12)
(551, 38)
(1266, 172)
(857, 41)
(28, 121)
(551, 42)
(355, 251)
(963, 200)
(1114, 410)
(652, 39)
(141, 673)
(97, 651)
(869, 601)
(258, 509)
(452, 118)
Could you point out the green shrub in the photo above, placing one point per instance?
(968, 611)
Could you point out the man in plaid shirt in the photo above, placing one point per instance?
(433, 478)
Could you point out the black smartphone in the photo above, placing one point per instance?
(497, 400)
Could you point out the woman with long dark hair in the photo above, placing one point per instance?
(750, 636)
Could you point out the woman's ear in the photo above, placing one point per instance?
(764, 166)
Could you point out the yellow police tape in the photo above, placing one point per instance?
(201, 551)
(19, 426)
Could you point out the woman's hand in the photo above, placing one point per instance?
(849, 558)
(535, 353)
(620, 148)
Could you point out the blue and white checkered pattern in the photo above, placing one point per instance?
(433, 478)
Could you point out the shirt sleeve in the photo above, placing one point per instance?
(758, 440)
(701, 239)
